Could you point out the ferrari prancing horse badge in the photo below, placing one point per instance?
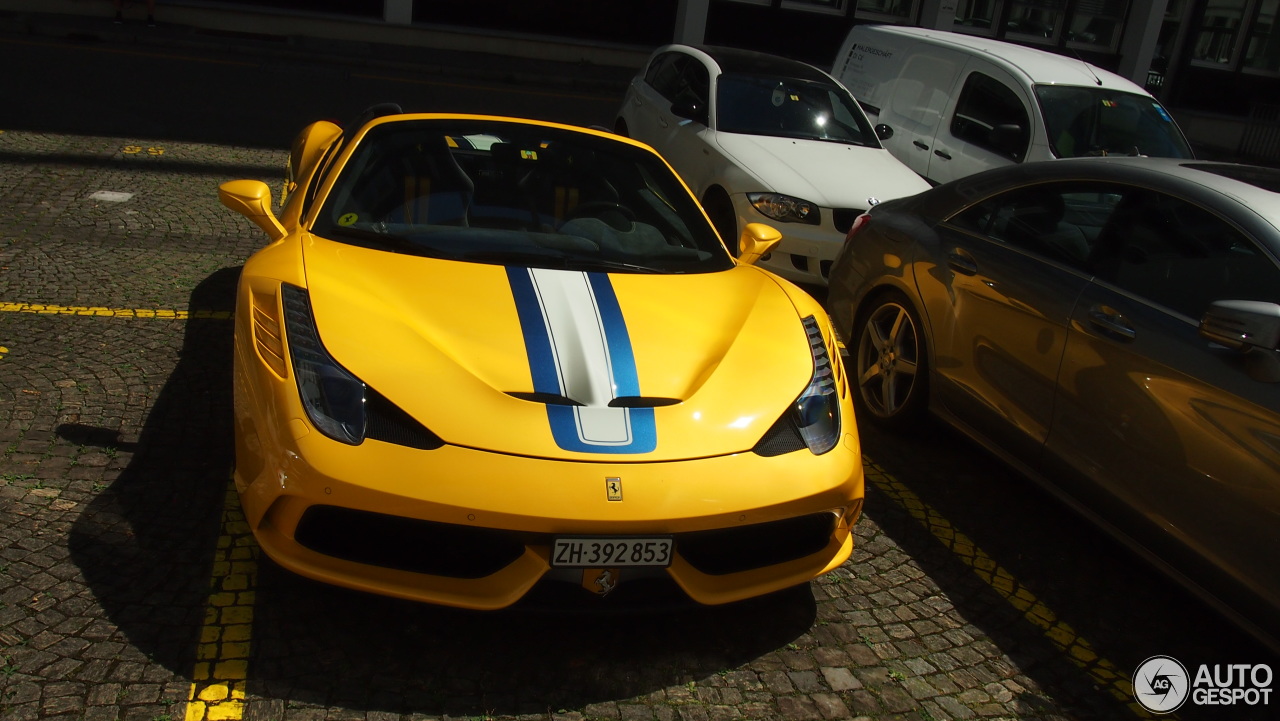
(613, 489)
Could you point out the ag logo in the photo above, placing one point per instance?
(1161, 684)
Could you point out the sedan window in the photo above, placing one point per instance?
(1182, 256)
(1061, 221)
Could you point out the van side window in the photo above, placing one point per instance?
(991, 116)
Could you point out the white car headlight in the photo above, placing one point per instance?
(785, 208)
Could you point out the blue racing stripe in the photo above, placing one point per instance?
(537, 343)
(565, 421)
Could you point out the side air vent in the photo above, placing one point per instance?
(267, 334)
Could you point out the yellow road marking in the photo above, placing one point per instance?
(1076, 649)
(49, 309)
(221, 669)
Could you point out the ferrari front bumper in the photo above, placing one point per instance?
(473, 529)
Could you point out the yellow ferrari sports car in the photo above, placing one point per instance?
(481, 354)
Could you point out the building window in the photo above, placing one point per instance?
(977, 17)
(890, 10)
(1037, 21)
(832, 7)
(1096, 24)
(1216, 40)
(1262, 53)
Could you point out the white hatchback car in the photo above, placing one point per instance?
(760, 138)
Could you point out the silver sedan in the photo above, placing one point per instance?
(1109, 326)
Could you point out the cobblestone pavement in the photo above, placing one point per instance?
(128, 589)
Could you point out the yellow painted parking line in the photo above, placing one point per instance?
(222, 659)
(1076, 649)
(165, 313)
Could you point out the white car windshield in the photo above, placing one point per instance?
(1084, 121)
(790, 108)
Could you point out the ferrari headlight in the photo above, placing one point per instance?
(785, 208)
(333, 398)
(817, 410)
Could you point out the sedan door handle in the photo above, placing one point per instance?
(961, 262)
(940, 154)
(1110, 321)
(920, 145)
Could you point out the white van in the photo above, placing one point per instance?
(949, 105)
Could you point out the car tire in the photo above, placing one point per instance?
(720, 209)
(890, 363)
(620, 128)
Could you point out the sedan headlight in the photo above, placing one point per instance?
(817, 410)
(785, 208)
(333, 398)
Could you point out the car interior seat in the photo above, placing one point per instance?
(436, 189)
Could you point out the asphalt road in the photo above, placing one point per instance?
(129, 591)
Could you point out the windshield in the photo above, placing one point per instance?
(1086, 121)
(509, 193)
(790, 108)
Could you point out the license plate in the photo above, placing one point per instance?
(611, 551)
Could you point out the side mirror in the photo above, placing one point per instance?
(691, 111)
(884, 132)
(1242, 325)
(252, 199)
(756, 242)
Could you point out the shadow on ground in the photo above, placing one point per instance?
(145, 543)
(324, 647)
(1122, 607)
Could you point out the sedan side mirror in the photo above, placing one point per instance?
(1242, 324)
(1250, 327)
(756, 242)
(884, 132)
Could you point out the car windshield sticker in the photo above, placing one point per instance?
(348, 219)
(579, 349)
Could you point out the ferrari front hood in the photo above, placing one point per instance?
(833, 175)
(564, 364)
